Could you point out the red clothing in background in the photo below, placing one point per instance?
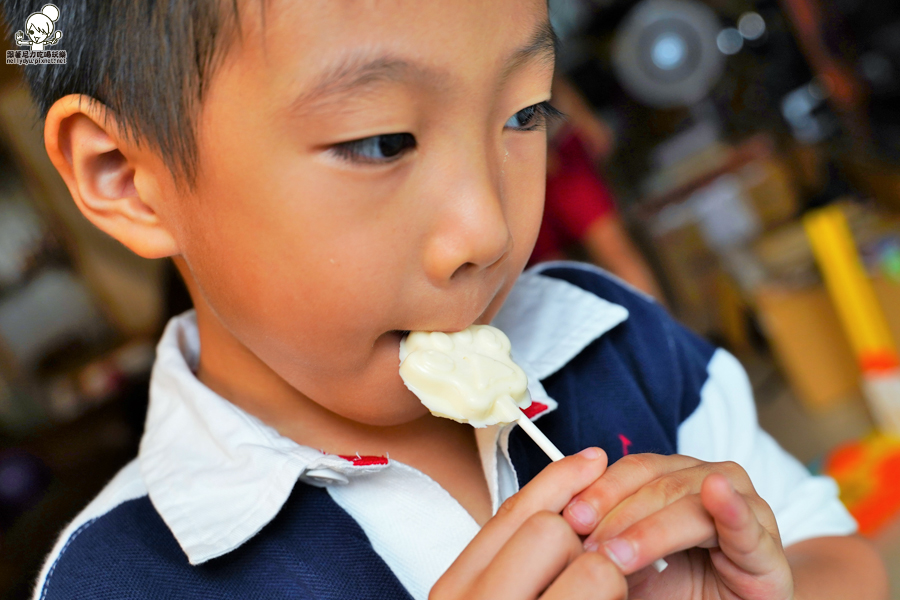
(576, 198)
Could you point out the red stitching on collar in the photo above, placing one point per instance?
(535, 409)
(365, 461)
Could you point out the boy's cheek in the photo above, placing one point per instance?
(524, 190)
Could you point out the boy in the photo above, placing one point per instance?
(327, 176)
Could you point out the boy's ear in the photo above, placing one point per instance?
(107, 175)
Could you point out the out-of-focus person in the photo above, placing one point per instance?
(580, 208)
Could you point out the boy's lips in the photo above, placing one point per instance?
(401, 333)
(445, 326)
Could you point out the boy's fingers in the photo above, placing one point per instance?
(655, 537)
(742, 537)
(661, 492)
(553, 488)
(532, 558)
(550, 490)
(590, 576)
(633, 488)
(747, 543)
(622, 479)
(651, 498)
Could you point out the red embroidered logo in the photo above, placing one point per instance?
(625, 443)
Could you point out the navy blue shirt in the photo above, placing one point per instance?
(628, 391)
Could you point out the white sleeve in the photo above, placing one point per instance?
(724, 427)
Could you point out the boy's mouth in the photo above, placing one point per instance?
(447, 327)
(399, 334)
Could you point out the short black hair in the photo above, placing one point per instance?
(149, 62)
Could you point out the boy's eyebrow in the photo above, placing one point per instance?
(543, 43)
(352, 75)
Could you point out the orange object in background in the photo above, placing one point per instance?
(868, 473)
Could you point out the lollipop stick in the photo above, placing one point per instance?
(553, 452)
(538, 436)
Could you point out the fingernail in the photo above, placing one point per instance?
(583, 512)
(590, 453)
(620, 552)
(590, 545)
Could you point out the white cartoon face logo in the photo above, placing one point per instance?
(40, 29)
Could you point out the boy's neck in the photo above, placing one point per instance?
(444, 450)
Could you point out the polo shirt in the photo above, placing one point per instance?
(217, 504)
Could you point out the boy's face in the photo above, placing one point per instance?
(315, 253)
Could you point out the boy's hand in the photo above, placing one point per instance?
(722, 536)
(527, 550)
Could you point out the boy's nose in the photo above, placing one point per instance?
(473, 233)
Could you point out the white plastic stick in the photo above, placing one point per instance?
(538, 436)
(553, 452)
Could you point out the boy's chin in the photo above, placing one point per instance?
(403, 410)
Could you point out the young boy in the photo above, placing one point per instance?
(327, 176)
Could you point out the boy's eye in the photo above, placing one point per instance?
(533, 117)
(376, 149)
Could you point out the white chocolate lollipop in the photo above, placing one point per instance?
(468, 376)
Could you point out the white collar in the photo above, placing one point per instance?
(217, 475)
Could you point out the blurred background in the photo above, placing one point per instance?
(739, 160)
